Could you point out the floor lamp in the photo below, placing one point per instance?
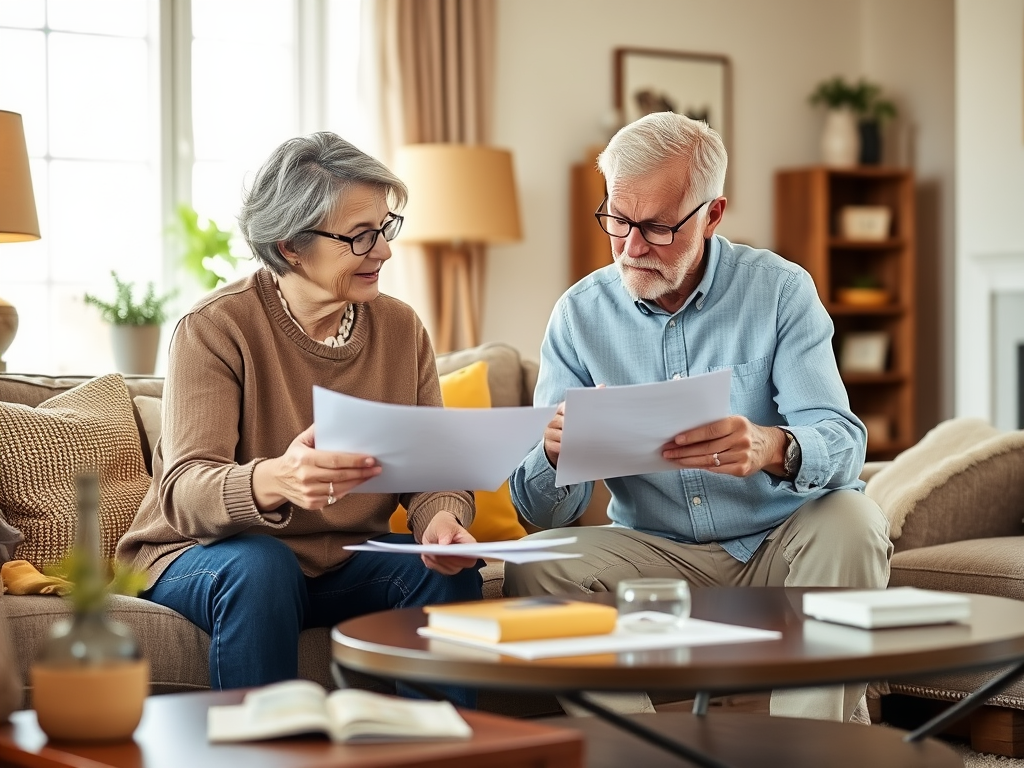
(461, 198)
(18, 220)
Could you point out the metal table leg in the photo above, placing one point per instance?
(676, 748)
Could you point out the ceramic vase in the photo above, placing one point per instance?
(135, 347)
(840, 141)
(89, 681)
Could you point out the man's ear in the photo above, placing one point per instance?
(716, 211)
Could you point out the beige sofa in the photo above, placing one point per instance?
(956, 501)
(176, 648)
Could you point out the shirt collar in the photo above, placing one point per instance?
(714, 254)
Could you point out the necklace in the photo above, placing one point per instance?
(348, 319)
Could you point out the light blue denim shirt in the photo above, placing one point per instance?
(754, 312)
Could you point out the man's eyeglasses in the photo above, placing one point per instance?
(655, 234)
(363, 243)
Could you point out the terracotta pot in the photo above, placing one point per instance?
(101, 702)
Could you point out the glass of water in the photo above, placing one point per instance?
(652, 605)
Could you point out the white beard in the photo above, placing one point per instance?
(648, 285)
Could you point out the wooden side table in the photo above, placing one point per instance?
(173, 734)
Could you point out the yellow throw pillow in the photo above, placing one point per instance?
(496, 518)
(42, 449)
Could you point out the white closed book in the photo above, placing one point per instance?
(895, 607)
(348, 715)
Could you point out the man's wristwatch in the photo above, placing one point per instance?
(791, 462)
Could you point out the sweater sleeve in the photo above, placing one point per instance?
(203, 492)
(423, 506)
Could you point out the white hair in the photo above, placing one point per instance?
(648, 144)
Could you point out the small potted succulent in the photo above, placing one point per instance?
(90, 679)
(134, 324)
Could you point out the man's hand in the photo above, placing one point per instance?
(309, 478)
(553, 435)
(732, 446)
(445, 529)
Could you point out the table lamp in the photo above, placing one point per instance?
(461, 198)
(18, 220)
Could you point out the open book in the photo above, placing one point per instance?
(302, 706)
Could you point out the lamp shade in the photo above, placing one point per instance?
(18, 220)
(458, 193)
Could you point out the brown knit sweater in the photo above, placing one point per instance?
(239, 389)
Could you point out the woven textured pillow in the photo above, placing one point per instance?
(42, 449)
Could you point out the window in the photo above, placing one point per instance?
(113, 153)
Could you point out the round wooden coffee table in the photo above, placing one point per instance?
(809, 652)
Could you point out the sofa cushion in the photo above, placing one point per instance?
(982, 566)
(149, 411)
(42, 449)
(496, 517)
(963, 480)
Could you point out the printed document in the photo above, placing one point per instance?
(428, 449)
(619, 431)
(514, 551)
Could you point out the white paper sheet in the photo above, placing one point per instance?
(619, 431)
(428, 449)
(692, 632)
(515, 551)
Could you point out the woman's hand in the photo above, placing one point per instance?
(309, 478)
(445, 529)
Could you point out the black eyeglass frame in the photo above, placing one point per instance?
(643, 226)
(351, 241)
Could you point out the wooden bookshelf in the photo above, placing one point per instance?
(807, 231)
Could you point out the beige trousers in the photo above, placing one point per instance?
(838, 540)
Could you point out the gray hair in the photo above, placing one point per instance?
(299, 186)
(646, 145)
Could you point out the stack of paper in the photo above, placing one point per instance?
(517, 551)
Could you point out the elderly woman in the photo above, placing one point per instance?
(244, 525)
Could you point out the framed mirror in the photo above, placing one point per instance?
(693, 84)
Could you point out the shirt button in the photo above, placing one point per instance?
(677, 375)
(696, 501)
(672, 323)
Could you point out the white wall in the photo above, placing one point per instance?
(554, 87)
(908, 47)
(990, 183)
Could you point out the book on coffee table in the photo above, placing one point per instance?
(894, 607)
(521, 618)
(349, 715)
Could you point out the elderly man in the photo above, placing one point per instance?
(768, 496)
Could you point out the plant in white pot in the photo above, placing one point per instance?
(134, 325)
(855, 111)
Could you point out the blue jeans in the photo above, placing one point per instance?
(249, 594)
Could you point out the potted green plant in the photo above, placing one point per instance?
(134, 324)
(206, 248)
(855, 112)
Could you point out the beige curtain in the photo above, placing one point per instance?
(431, 66)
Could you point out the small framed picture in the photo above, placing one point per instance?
(864, 352)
